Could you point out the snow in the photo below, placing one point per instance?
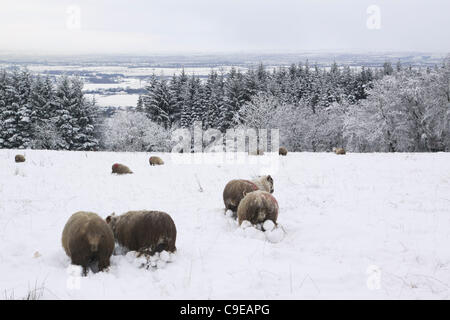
(268, 225)
(355, 226)
(134, 71)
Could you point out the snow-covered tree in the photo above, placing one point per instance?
(234, 98)
(15, 117)
(159, 104)
(74, 116)
(134, 131)
(84, 115)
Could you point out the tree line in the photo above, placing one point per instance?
(392, 108)
(37, 113)
(216, 102)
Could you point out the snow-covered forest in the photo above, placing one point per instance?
(394, 108)
(36, 113)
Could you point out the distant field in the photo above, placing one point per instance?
(115, 100)
(352, 223)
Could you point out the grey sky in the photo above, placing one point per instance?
(162, 26)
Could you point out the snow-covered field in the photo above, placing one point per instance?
(115, 100)
(357, 226)
(132, 70)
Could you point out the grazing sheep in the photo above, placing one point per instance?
(282, 151)
(155, 161)
(19, 158)
(235, 190)
(258, 207)
(88, 241)
(144, 231)
(120, 169)
(339, 150)
(256, 152)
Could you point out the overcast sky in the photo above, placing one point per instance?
(164, 26)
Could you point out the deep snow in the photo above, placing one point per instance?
(348, 221)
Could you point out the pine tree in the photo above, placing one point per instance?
(15, 118)
(41, 100)
(159, 104)
(64, 103)
(24, 124)
(213, 99)
(140, 104)
(193, 105)
(178, 87)
(234, 99)
(4, 81)
(84, 116)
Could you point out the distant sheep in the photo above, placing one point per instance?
(19, 158)
(257, 207)
(282, 151)
(120, 169)
(144, 231)
(235, 190)
(88, 241)
(256, 152)
(339, 150)
(156, 161)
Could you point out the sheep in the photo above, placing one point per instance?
(257, 207)
(144, 231)
(88, 241)
(235, 190)
(282, 151)
(156, 161)
(339, 150)
(120, 169)
(19, 158)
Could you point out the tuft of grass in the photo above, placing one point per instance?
(35, 293)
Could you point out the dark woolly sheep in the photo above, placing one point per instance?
(156, 161)
(235, 190)
(282, 151)
(256, 152)
(257, 207)
(88, 241)
(339, 150)
(120, 169)
(19, 158)
(144, 231)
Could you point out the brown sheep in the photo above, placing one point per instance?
(88, 241)
(235, 190)
(256, 152)
(156, 161)
(144, 231)
(339, 150)
(258, 207)
(120, 169)
(282, 151)
(19, 158)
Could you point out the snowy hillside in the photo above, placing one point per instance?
(357, 226)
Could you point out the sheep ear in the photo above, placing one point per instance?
(269, 177)
(109, 218)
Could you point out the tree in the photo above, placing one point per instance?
(45, 133)
(84, 117)
(178, 87)
(159, 105)
(15, 117)
(134, 131)
(233, 100)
